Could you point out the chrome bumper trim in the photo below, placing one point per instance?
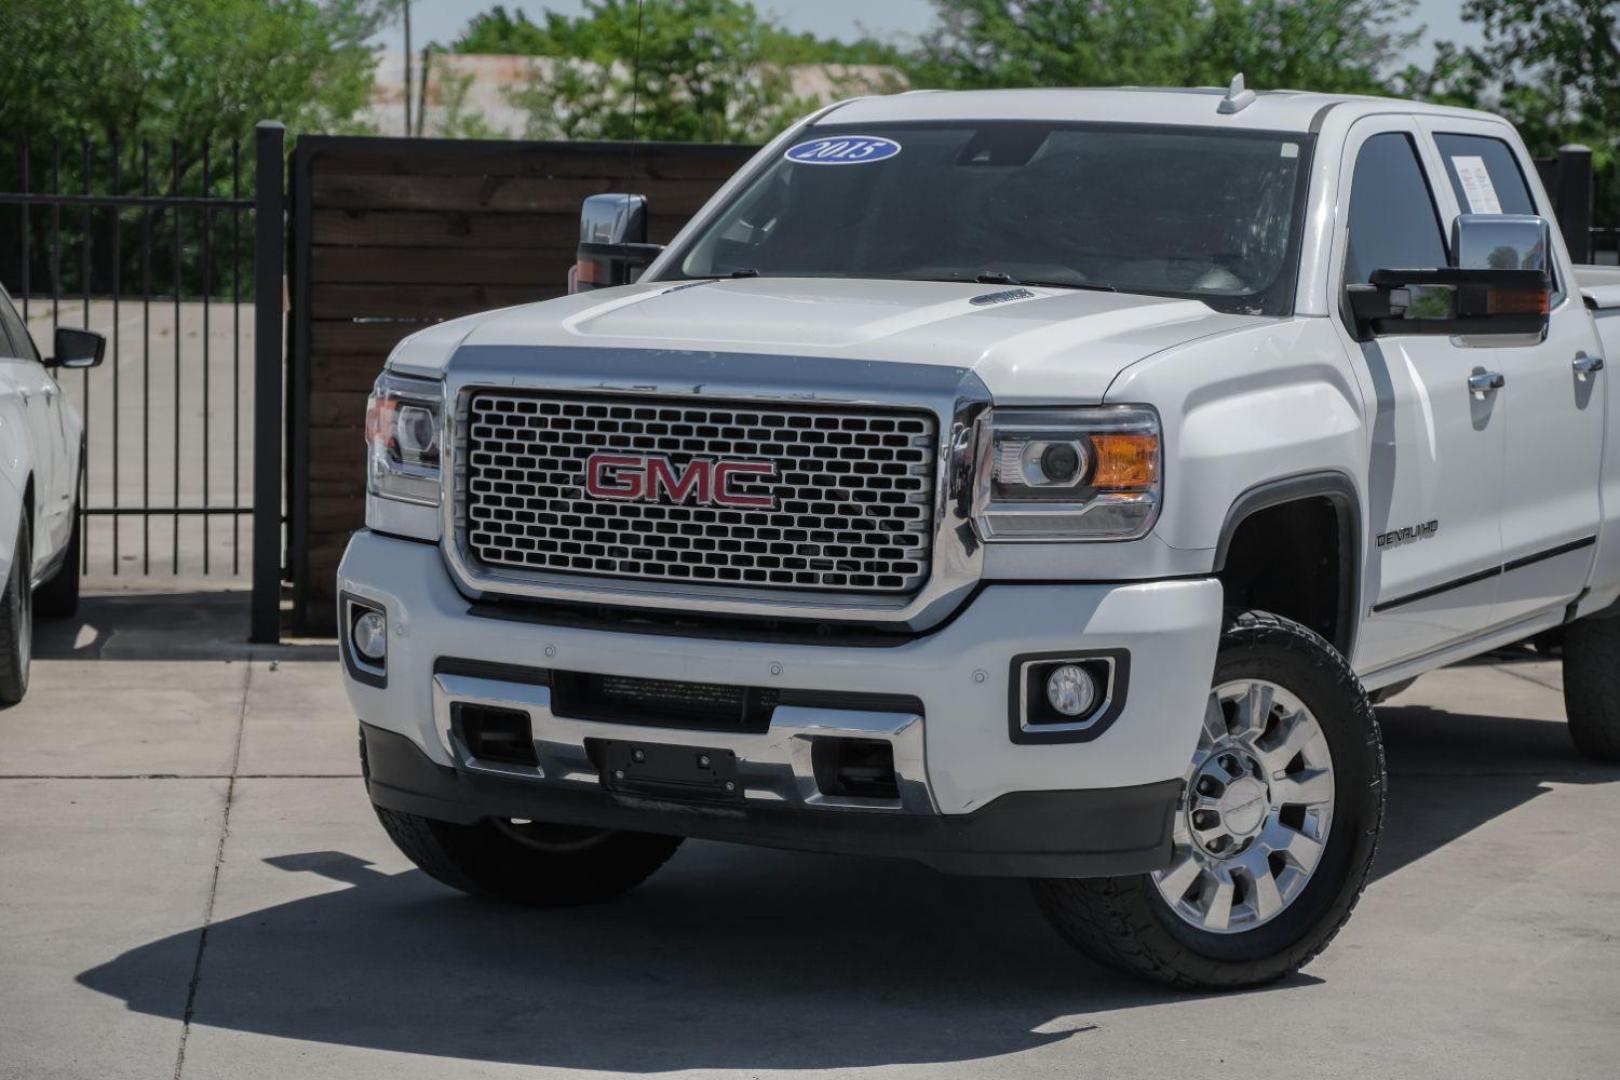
(772, 767)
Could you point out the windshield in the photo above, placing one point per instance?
(1166, 211)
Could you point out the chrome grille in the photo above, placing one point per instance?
(852, 492)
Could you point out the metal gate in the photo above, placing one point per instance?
(154, 246)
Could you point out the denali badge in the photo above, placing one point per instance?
(654, 478)
(1409, 534)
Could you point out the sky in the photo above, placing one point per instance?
(442, 20)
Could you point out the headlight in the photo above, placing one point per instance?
(402, 438)
(1068, 474)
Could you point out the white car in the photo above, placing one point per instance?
(41, 453)
(1035, 483)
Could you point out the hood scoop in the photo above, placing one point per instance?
(1005, 296)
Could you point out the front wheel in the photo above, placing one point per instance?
(1274, 834)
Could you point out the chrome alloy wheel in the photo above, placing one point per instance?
(1255, 812)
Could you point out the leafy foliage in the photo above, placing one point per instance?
(1332, 45)
(184, 69)
(710, 70)
(1550, 66)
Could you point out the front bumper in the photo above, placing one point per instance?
(970, 797)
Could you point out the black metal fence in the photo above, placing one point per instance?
(148, 245)
(1570, 182)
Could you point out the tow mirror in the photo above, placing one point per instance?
(1499, 285)
(613, 248)
(77, 348)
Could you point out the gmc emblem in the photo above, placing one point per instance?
(654, 478)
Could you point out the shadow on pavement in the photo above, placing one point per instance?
(1450, 773)
(736, 958)
(199, 625)
(727, 959)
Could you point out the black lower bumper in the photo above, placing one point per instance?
(1091, 833)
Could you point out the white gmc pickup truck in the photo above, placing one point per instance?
(1033, 483)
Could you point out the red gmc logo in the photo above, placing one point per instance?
(654, 478)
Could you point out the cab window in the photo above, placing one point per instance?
(1393, 221)
(1485, 175)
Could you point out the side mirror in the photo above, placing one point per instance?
(77, 348)
(1499, 284)
(613, 248)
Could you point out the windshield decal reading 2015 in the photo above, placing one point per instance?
(844, 150)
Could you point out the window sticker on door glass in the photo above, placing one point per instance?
(1476, 185)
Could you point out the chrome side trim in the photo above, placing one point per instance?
(773, 767)
(955, 396)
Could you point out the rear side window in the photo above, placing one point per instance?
(1393, 222)
(1485, 175)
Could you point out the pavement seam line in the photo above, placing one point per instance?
(213, 885)
(1505, 670)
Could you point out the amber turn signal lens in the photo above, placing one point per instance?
(1125, 462)
(1518, 302)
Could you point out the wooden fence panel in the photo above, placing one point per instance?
(389, 235)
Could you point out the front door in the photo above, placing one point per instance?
(1438, 443)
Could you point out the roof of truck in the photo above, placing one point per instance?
(1270, 110)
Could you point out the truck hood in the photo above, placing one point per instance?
(1028, 345)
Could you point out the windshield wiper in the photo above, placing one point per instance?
(999, 277)
(1089, 286)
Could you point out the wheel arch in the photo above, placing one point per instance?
(1275, 497)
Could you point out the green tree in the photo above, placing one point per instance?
(1335, 45)
(704, 73)
(1552, 67)
(711, 70)
(184, 69)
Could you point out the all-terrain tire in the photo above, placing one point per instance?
(533, 863)
(17, 621)
(58, 598)
(1592, 686)
(1125, 923)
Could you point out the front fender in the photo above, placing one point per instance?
(1246, 409)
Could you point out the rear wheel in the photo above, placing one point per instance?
(1592, 686)
(1274, 834)
(529, 862)
(17, 621)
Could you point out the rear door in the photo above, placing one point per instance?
(1554, 413)
(1435, 461)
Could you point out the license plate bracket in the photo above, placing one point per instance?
(661, 770)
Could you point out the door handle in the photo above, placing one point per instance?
(50, 394)
(25, 394)
(1486, 382)
(1587, 366)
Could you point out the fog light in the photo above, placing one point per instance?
(370, 636)
(1071, 690)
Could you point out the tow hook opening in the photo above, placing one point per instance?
(495, 734)
(855, 768)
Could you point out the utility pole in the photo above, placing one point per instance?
(405, 5)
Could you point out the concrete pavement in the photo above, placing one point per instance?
(192, 885)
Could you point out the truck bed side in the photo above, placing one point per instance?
(1600, 288)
